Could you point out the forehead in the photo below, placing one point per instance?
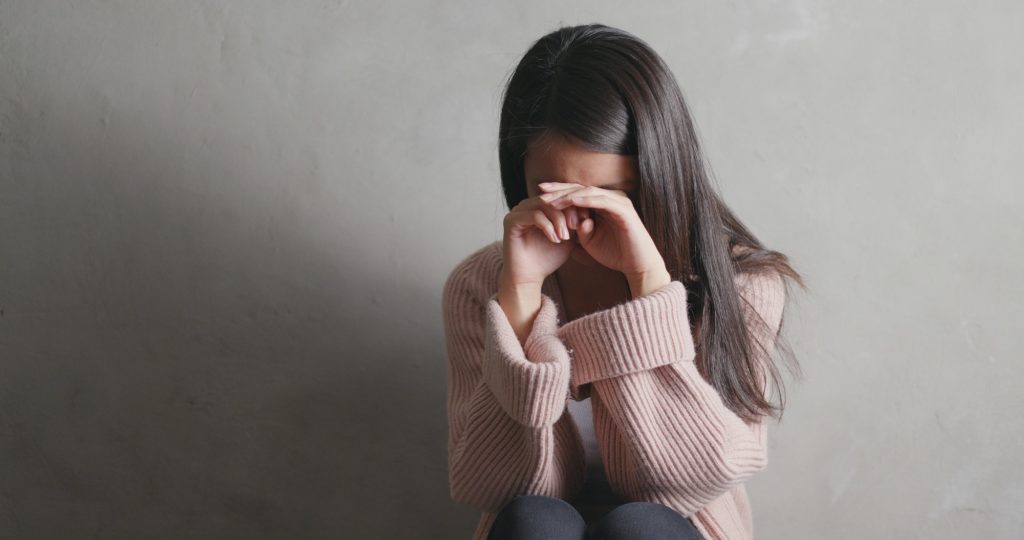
(557, 158)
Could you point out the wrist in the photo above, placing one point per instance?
(521, 302)
(644, 283)
(510, 289)
(521, 297)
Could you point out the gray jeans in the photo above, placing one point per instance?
(535, 517)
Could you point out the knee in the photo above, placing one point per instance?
(641, 519)
(538, 505)
(527, 515)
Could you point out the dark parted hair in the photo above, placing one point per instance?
(608, 90)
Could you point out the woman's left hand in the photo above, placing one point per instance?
(618, 238)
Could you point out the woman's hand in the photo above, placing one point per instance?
(537, 241)
(611, 232)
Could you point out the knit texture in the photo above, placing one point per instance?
(665, 434)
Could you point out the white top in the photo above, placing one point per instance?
(583, 414)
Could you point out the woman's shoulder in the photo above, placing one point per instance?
(763, 290)
(764, 285)
(476, 274)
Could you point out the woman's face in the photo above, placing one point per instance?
(555, 158)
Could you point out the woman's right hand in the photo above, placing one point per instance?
(538, 240)
(532, 249)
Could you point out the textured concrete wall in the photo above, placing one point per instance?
(224, 227)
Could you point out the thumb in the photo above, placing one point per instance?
(585, 230)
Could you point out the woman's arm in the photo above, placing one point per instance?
(679, 439)
(521, 303)
(503, 397)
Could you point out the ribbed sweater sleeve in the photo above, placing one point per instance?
(530, 381)
(679, 443)
(503, 397)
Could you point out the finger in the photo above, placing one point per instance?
(578, 214)
(574, 216)
(556, 186)
(555, 195)
(613, 194)
(610, 205)
(529, 214)
(585, 231)
(541, 221)
(559, 220)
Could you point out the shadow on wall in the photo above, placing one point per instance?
(182, 359)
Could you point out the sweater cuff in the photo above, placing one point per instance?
(530, 381)
(640, 334)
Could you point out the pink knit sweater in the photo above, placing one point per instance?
(664, 433)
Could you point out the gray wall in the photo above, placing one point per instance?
(224, 227)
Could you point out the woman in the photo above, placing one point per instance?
(671, 311)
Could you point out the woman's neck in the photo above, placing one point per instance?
(574, 272)
(586, 289)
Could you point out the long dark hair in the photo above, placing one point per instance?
(608, 90)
